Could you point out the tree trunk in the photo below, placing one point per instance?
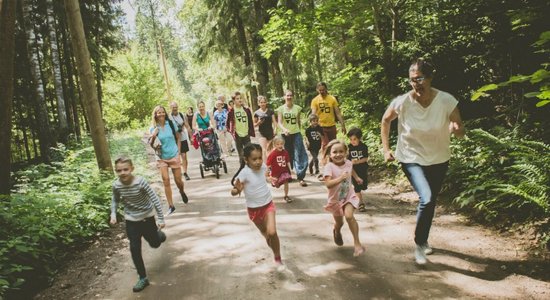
(7, 56)
(43, 128)
(56, 67)
(241, 36)
(276, 77)
(89, 92)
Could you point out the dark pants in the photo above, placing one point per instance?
(314, 160)
(240, 142)
(427, 182)
(135, 230)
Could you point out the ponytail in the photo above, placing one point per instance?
(237, 174)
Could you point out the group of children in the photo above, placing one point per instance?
(344, 175)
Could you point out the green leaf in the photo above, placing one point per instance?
(542, 103)
(540, 75)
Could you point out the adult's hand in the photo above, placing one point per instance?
(388, 156)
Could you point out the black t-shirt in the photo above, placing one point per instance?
(265, 128)
(358, 152)
(313, 135)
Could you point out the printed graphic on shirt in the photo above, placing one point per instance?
(281, 161)
(241, 117)
(344, 189)
(324, 108)
(290, 118)
(315, 135)
(356, 154)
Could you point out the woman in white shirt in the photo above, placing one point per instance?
(426, 119)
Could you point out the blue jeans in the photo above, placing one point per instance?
(294, 144)
(427, 182)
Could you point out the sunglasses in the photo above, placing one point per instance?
(418, 80)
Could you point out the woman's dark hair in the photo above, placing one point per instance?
(247, 151)
(423, 66)
(355, 132)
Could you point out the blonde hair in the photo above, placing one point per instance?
(278, 138)
(326, 155)
(157, 108)
(260, 98)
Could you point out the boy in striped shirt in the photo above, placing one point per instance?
(140, 204)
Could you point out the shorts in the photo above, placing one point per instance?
(359, 187)
(257, 214)
(329, 134)
(184, 146)
(172, 163)
(337, 208)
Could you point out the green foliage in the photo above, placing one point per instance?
(502, 177)
(55, 209)
(132, 90)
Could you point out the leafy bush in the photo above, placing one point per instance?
(501, 178)
(55, 209)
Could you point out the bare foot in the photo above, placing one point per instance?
(358, 251)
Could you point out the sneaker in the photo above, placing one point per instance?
(186, 176)
(337, 236)
(141, 284)
(171, 209)
(419, 255)
(317, 172)
(162, 236)
(427, 249)
(287, 199)
(362, 207)
(184, 197)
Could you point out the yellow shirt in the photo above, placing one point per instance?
(324, 108)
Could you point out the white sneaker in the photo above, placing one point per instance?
(420, 255)
(427, 249)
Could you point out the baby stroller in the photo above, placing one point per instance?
(211, 154)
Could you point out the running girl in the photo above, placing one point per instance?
(342, 200)
(261, 210)
(278, 163)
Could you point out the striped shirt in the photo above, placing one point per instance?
(138, 199)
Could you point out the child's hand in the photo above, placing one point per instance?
(113, 221)
(161, 225)
(359, 180)
(235, 192)
(345, 175)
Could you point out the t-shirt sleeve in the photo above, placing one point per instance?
(269, 160)
(397, 103)
(243, 175)
(154, 199)
(327, 171)
(450, 103)
(313, 104)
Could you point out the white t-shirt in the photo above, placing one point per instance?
(423, 133)
(256, 192)
(180, 121)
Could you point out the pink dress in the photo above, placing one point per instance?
(343, 193)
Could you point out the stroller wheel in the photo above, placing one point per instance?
(224, 167)
(216, 170)
(202, 170)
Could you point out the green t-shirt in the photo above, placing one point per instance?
(290, 117)
(241, 122)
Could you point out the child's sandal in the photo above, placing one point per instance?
(287, 199)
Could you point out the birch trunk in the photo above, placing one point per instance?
(61, 110)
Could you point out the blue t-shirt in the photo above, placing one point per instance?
(169, 148)
(221, 119)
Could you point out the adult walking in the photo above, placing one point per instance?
(426, 119)
(220, 122)
(185, 134)
(288, 116)
(325, 106)
(202, 119)
(240, 124)
(264, 119)
(164, 130)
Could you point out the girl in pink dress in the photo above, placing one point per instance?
(342, 200)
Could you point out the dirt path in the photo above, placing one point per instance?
(214, 252)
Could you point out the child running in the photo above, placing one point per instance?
(140, 203)
(342, 201)
(278, 163)
(359, 156)
(313, 134)
(251, 178)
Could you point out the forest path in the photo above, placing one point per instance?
(213, 251)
